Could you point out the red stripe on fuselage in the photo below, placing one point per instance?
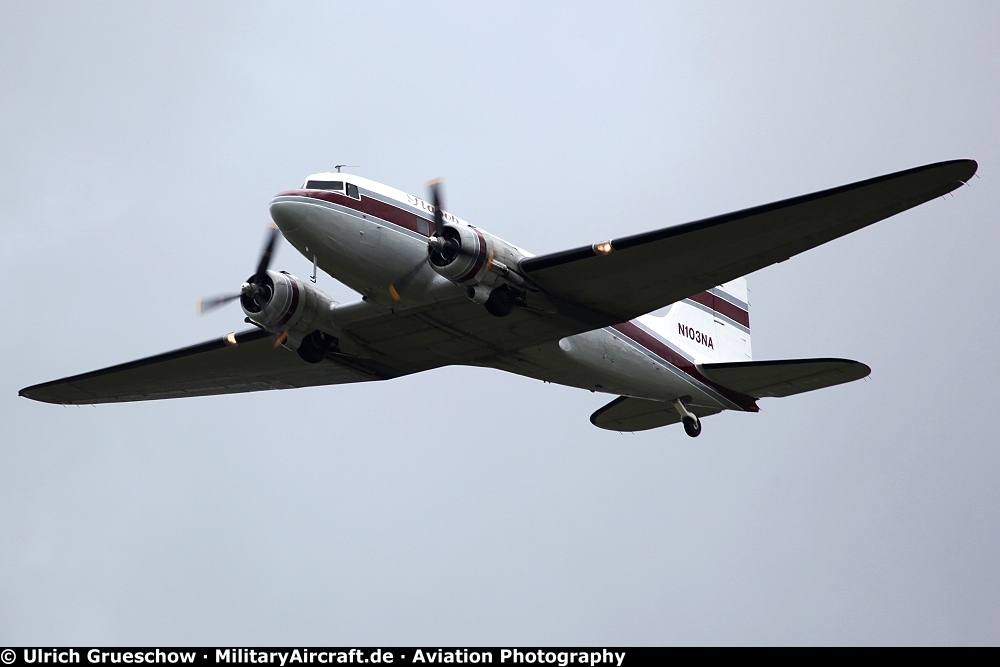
(368, 205)
(411, 221)
(674, 358)
(723, 307)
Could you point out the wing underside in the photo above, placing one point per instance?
(247, 361)
(648, 271)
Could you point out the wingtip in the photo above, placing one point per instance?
(28, 394)
(963, 169)
(973, 165)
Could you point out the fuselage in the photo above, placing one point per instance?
(374, 239)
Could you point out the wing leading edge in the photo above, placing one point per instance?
(242, 362)
(651, 270)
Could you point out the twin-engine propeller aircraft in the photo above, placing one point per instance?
(437, 290)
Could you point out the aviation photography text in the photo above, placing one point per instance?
(313, 656)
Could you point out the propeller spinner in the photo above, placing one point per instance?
(442, 246)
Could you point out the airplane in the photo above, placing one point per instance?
(438, 291)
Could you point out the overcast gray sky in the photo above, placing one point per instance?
(141, 143)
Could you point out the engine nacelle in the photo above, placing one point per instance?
(473, 257)
(285, 303)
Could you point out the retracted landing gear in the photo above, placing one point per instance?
(501, 301)
(314, 347)
(692, 425)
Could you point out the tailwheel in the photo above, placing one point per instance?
(692, 426)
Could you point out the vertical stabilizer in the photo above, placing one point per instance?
(711, 326)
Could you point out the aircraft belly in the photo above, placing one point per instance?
(599, 361)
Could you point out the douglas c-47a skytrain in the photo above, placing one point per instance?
(437, 290)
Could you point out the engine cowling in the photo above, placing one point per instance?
(285, 303)
(472, 256)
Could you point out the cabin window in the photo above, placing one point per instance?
(423, 226)
(352, 191)
(336, 186)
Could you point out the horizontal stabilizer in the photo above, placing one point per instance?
(787, 377)
(638, 414)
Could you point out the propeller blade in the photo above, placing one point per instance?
(265, 257)
(253, 287)
(205, 305)
(444, 247)
(397, 288)
(438, 203)
(281, 339)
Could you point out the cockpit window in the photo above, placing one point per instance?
(336, 186)
(352, 191)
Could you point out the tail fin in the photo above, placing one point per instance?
(711, 326)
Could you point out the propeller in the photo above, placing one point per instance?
(211, 303)
(258, 287)
(434, 185)
(397, 288)
(443, 247)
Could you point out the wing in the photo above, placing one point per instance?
(247, 361)
(379, 343)
(648, 271)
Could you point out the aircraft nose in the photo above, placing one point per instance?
(286, 215)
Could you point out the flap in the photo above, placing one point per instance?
(785, 377)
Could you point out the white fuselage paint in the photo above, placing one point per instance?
(368, 253)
